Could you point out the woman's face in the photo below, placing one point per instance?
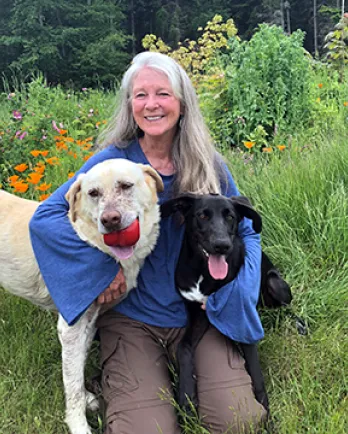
(155, 108)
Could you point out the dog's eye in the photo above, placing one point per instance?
(126, 185)
(203, 215)
(94, 192)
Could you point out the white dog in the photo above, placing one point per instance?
(112, 188)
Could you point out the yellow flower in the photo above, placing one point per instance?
(249, 145)
(267, 150)
(281, 147)
(345, 103)
(318, 100)
(71, 174)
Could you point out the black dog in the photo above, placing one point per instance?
(211, 256)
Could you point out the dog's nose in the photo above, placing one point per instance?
(110, 219)
(221, 247)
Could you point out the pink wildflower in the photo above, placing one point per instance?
(54, 125)
(17, 115)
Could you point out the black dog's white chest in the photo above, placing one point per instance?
(193, 292)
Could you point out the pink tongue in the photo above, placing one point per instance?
(122, 252)
(218, 267)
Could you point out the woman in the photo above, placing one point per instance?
(158, 122)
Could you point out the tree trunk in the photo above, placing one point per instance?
(315, 28)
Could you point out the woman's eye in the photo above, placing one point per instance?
(94, 192)
(139, 95)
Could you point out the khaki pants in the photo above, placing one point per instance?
(134, 358)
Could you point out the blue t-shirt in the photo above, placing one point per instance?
(76, 273)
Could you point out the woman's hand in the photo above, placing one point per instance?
(117, 288)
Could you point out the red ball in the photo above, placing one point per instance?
(125, 237)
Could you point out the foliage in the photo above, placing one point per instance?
(196, 56)
(80, 43)
(337, 46)
(46, 134)
(266, 83)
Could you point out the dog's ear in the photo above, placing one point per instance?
(181, 204)
(148, 170)
(73, 196)
(245, 209)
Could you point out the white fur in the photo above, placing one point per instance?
(20, 275)
(195, 294)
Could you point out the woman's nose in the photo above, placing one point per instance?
(151, 102)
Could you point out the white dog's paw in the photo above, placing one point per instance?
(78, 426)
(92, 401)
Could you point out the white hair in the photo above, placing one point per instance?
(196, 162)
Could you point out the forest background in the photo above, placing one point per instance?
(81, 43)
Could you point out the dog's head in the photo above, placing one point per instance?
(212, 224)
(111, 195)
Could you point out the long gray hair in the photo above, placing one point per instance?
(196, 162)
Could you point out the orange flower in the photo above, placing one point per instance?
(267, 150)
(35, 153)
(40, 169)
(104, 122)
(281, 147)
(62, 132)
(89, 139)
(20, 187)
(58, 138)
(345, 103)
(13, 179)
(43, 187)
(52, 161)
(44, 197)
(69, 139)
(249, 145)
(320, 85)
(34, 178)
(87, 157)
(71, 174)
(21, 167)
(61, 145)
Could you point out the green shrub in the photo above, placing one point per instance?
(267, 83)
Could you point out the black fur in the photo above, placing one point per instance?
(212, 228)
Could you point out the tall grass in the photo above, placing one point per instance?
(302, 196)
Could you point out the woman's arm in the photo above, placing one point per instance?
(232, 309)
(74, 272)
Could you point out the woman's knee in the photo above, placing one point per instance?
(231, 410)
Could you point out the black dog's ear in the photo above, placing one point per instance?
(181, 204)
(245, 209)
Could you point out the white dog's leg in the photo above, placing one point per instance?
(75, 341)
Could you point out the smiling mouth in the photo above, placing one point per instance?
(153, 118)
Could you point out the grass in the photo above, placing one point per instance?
(303, 199)
(301, 194)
